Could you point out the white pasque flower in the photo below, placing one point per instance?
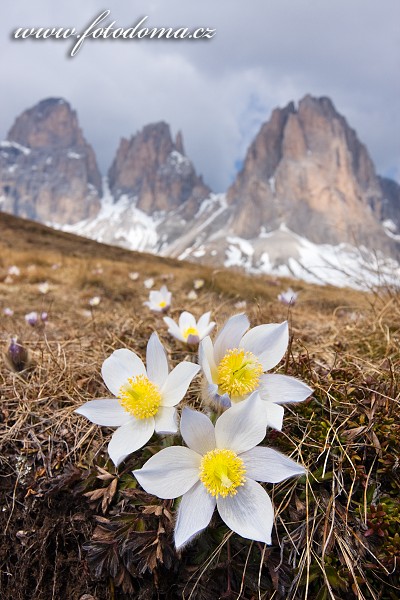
(145, 398)
(198, 284)
(148, 283)
(95, 301)
(288, 297)
(14, 270)
(220, 468)
(235, 367)
(44, 287)
(188, 330)
(159, 300)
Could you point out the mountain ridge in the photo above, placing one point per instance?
(306, 181)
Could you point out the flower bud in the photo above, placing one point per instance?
(17, 356)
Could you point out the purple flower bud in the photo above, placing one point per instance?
(32, 318)
(17, 356)
(192, 340)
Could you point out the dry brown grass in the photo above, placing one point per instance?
(338, 530)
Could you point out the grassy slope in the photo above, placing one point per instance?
(337, 533)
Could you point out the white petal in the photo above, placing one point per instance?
(164, 292)
(186, 320)
(230, 335)
(206, 360)
(204, 321)
(194, 514)
(166, 420)
(267, 342)
(155, 297)
(249, 513)
(118, 367)
(242, 426)
(152, 306)
(207, 330)
(166, 295)
(130, 437)
(274, 415)
(266, 464)
(173, 329)
(177, 383)
(156, 359)
(197, 431)
(170, 473)
(104, 411)
(282, 388)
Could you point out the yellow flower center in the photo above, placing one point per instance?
(239, 372)
(190, 331)
(222, 472)
(140, 397)
(162, 304)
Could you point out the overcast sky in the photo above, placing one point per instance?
(218, 92)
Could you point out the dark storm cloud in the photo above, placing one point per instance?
(218, 92)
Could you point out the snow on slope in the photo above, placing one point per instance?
(119, 223)
(207, 239)
(287, 254)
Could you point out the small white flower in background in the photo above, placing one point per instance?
(220, 468)
(148, 283)
(192, 295)
(198, 284)
(188, 330)
(14, 271)
(95, 301)
(241, 304)
(289, 297)
(44, 316)
(55, 266)
(234, 367)
(159, 300)
(98, 270)
(43, 287)
(8, 312)
(134, 276)
(145, 397)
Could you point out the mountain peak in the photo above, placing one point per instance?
(48, 172)
(50, 123)
(153, 169)
(307, 169)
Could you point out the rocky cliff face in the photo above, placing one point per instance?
(307, 169)
(390, 205)
(48, 172)
(153, 170)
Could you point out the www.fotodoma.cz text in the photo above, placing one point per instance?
(138, 31)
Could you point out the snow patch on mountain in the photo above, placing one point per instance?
(206, 239)
(6, 145)
(286, 254)
(119, 223)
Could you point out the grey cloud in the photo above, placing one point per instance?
(265, 54)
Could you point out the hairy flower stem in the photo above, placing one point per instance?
(229, 570)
